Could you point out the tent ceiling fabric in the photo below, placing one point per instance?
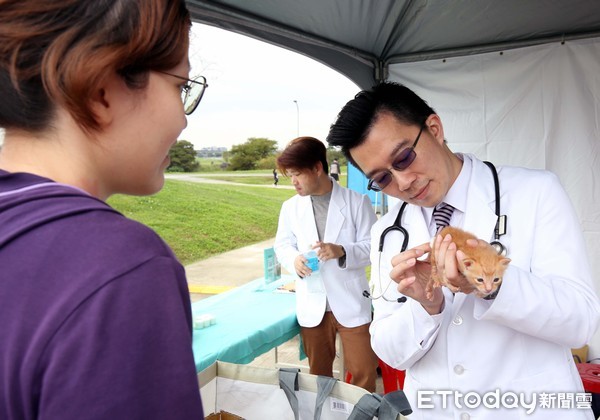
(360, 38)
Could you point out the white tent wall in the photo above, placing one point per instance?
(535, 107)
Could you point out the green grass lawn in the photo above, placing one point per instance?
(202, 220)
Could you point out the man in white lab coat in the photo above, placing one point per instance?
(506, 355)
(336, 222)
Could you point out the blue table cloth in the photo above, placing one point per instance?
(250, 320)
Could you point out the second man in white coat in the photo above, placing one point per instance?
(335, 222)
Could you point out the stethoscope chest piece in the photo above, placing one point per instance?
(500, 249)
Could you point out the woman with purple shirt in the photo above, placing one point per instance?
(94, 308)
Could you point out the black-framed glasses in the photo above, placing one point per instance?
(192, 92)
(402, 161)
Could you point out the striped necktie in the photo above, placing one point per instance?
(442, 215)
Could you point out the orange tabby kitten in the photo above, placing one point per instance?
(482, 266)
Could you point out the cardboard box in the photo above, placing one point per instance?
(581, 354)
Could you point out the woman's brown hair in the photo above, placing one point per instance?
(60, 52)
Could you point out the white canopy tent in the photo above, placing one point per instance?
(362, 38)
(515, 82)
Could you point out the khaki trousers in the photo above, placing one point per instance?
(359, 358)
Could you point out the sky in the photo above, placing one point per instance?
(252, 89)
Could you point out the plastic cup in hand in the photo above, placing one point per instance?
(312, 261)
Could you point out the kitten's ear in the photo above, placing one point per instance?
(505, 262)
(468, 262)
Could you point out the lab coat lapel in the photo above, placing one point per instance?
(307, 217)
(414, 223)
(335, 215)
(480, 218)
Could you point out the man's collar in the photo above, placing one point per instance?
(457, 195)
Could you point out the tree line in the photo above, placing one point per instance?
(255, 153)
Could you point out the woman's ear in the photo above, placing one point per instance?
(100, 106)
(103, 99)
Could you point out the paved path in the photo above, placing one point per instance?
(225, 271)
(204, 178)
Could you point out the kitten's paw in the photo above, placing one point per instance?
(452, 288)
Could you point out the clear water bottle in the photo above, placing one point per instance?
(314, 282)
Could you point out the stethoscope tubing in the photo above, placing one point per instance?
(397, 226)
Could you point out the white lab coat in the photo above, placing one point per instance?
(519, 342)
(349, 221)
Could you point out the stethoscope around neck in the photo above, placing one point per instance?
(499, 230)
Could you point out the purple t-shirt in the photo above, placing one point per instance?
(95, 317)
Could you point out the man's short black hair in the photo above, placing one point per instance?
(358, 116)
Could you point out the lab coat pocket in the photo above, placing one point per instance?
(314, 283)
(547, 381)
(354, 286)
(539, 395)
